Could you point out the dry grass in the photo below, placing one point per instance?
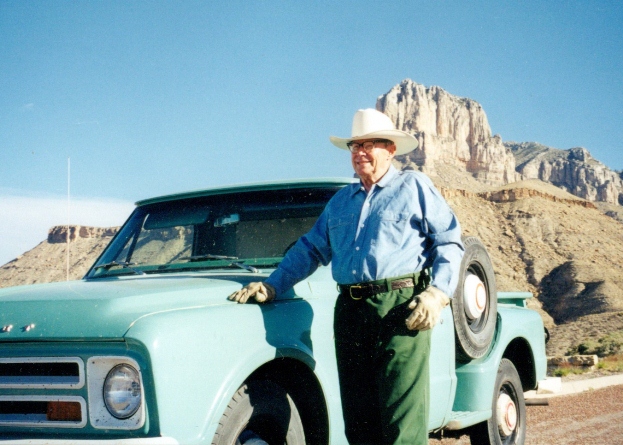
(613, 363)
(567, 369)
(609, 365)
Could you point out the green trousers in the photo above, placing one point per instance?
(383, 368)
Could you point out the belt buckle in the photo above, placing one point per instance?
(350, 291)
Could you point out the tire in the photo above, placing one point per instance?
(474, 333)
(260, 412)
(507, 425)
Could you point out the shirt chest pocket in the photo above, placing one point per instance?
(391, 228)
(341, 231)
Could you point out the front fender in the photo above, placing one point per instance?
(200, 356)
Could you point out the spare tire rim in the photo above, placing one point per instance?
(474, 296)
(480, 291)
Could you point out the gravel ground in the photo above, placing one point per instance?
(591, 417)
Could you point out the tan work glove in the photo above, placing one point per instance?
(426, 309)
(262, 292)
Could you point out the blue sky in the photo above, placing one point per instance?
(150, 98)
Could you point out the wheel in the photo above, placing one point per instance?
(546, 333)
(261, 412)
(507, 425)
(474, 306)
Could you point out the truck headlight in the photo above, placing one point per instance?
(122, 391)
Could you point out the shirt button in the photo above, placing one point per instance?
(354, 272)
(357, 248)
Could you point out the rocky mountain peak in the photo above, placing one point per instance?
(454, 132)
(573, 170)
(449, 129)
(579, 154)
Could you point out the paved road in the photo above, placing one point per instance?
(592, 417)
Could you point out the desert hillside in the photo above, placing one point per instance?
(561, 248)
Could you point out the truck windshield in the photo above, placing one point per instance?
(242, 230)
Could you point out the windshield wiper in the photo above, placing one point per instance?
(123, 264)
(209, 256)
(245, 267)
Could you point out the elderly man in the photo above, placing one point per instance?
(395, 249)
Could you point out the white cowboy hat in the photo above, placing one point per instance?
(372, 124)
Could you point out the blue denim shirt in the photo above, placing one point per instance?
(401, 226)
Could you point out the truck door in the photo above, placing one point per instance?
(442, 374)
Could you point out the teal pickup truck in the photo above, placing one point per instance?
(146, 349)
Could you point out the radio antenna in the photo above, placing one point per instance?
(68, 206)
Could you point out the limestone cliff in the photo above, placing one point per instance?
(58, 234)
(450, 129)
(574, 170)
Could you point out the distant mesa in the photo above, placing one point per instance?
(58, 234)
(47, 261)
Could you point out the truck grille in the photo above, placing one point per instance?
(62, 392)
(42, 372)
(43, 411)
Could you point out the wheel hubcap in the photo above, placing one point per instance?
(506, 414)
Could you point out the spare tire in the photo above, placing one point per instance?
(474, 306)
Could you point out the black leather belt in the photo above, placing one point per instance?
(366, 290)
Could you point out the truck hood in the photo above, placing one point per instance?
(104, 309)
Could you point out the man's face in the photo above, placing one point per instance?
(372, 160)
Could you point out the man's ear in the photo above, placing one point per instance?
(392, 150)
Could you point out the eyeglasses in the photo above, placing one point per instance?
(354, 147)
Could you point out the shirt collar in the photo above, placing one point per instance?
(387, 178)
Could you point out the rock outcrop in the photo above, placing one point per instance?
(47, 261)
(450, 129)
(454, 131)
(58, 234)
(574, 170)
